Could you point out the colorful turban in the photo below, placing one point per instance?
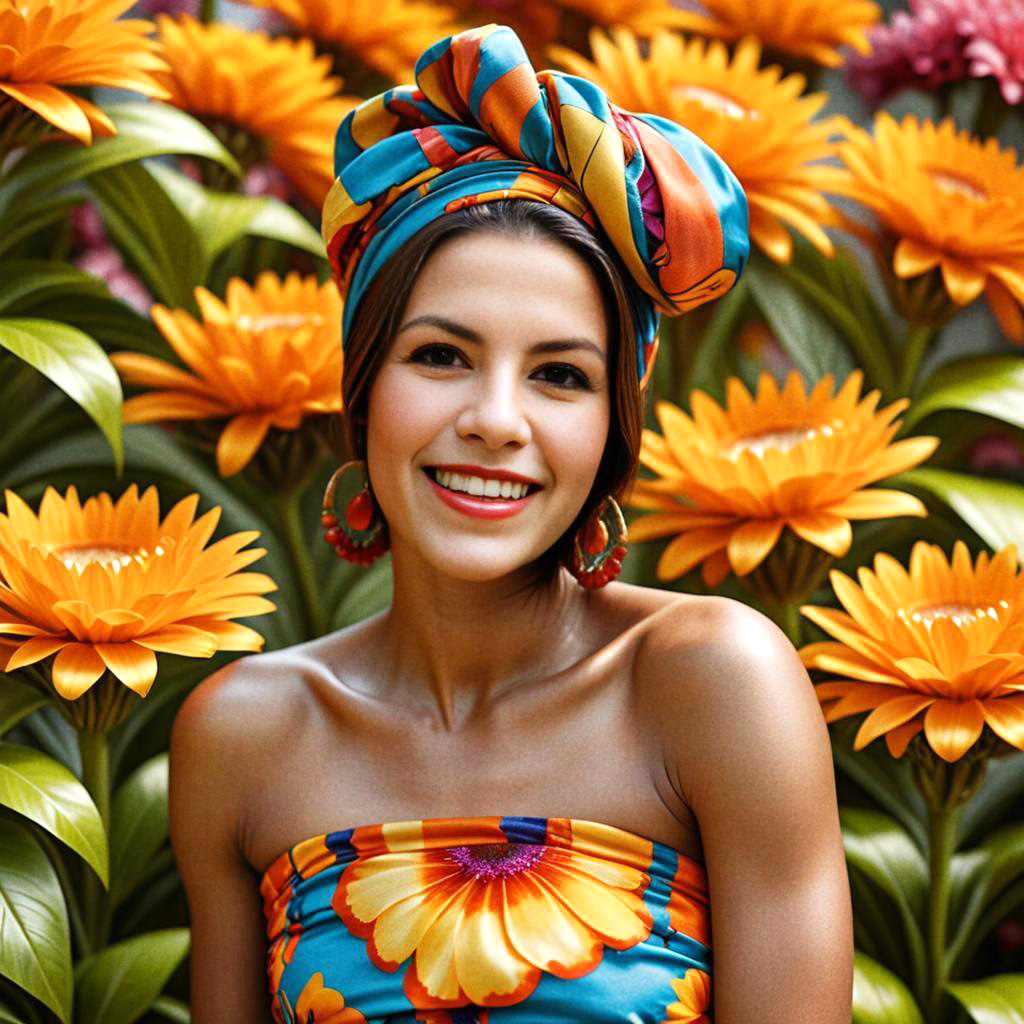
(481, 124)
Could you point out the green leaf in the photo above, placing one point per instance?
(991, 384)
(143, 130)
(711, 360)
(173, 1009)
(879, 997)
(120, 983)
(147, 225)
(804, 332)
(26, 283)
(32, 213)
(35, 944)
(43, 789)
(76, 364)
(7, 1016)
(882, 852)
(17, 699)
(995, 1000)
(1001, 789)
(138, 825)
(370, 594)
(994, 509)
(221, 218)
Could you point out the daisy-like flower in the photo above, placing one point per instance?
(937, 649)
(693, 994)
(268, 356)
(996, 43)
(534, 908)
(729, 480)
(316, 1003)
(387, 35)
(45, 44)
(814, 29)
(755, 118)
(948, 201)
(105, 585)
(276, 91)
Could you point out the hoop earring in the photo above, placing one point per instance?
(361, 535)
(599, 546)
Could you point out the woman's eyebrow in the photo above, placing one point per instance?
(468, 334)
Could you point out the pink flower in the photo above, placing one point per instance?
(105, 262)
(996, 46)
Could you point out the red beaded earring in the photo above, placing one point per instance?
(599, 546)
(362, 534)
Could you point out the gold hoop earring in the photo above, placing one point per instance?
(361, 535)
(599, 546)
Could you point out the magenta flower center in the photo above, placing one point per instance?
(496, 860)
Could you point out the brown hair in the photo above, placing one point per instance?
(380, 312)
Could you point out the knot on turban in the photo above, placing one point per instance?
(481, 124)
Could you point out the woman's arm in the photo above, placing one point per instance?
(749, 749)
(208, 770)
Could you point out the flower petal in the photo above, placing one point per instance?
(75, 669)
(133, 664)
(953, 726)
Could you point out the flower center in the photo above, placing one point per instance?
(79, 556)
(496, 860)
(716, 101)
(955, 185)
(271, 321)
(960, 613)
(782, 440)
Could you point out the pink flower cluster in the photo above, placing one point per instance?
(941, 41)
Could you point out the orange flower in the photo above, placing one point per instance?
(387, 35)
(48, 43)
(267, 357)
(951, 201)
(693, 994)
(104, 586)
(318, 1005)
(276, 90)
(815, 29)
(729, 480)
(533, 908)
(757, 120)
(939, 649)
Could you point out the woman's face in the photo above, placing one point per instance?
(498, 375)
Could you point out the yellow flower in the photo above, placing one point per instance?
(693, 994)
(757, 120)
(729, 480)
(388, 35)
(48, 43)
(803, 28)
(104, 586)
(267, 357)
(940, 648)
(952, 202)
(276, 90)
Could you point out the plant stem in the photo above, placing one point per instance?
(918, 339)
(207, 11)
(95, 750)
(287, 504)
(792, 622)
(942, 822)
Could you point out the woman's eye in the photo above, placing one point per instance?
(564, 376)
(436, 355)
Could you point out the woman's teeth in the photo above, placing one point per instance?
(480, 487)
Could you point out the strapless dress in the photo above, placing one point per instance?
(489, 920)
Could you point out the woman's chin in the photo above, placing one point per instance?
(475, 562)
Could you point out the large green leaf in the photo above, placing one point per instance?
(143, 130)
(27, 283)
(119, 984)
(7, 1016)
(148, 226)
(989, 384)
(879, 997)
(883, 853)
(76, 364)
(995, 1000)
(35, 943)
(371, 593)
(43, 789)
(138, 825)
(994, 509)
(804, 332)
(17, 699)
(221, 218)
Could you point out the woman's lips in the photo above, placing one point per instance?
(481, 508)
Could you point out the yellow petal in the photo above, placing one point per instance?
(952, 727)
(240, 440)
(52, 105)
(685, 551)
(912, 258)
(889, 715)
(1005, 717)
(75, 669)
(964, 281)
(750, 543)
(134, 665)
(502, 971)
(825, 530)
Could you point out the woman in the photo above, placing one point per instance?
(577, 786)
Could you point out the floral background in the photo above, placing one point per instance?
(838, 442)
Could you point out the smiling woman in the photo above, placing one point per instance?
(571, 789)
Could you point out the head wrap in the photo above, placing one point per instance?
(481, 124)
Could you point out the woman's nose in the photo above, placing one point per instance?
(494, 413)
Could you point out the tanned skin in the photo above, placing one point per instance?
(688, 720)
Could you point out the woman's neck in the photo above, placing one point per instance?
(457, 645)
